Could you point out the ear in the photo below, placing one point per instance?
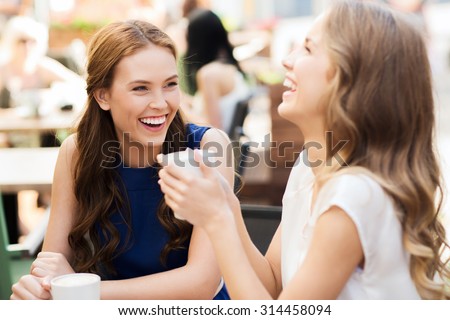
(101, 96)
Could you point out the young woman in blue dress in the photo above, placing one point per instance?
(108, 214)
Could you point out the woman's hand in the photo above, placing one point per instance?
(203, 201)
(36, 285)
(30, 287)
(49, 265)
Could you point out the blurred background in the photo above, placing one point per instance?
(261, 32)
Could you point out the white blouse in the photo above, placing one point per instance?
(386, 262)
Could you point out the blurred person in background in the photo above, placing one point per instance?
(24, 64)
(25, 72)
(189, 6)
(213, 75)
(12, 8)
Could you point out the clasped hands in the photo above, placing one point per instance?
(36, 285)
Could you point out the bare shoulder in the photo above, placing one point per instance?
(215, 135)
(69, 145)
(47, 61)
(69, 150)
(54, 70)
(216, 71)
(50, 65)
(218, 146)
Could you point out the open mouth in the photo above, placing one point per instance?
(154, 122)
(290, 85)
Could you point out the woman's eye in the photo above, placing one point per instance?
(140, 88)
(307, 49)
(172, 84)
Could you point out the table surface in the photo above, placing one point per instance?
(11, 120)
(27, 169)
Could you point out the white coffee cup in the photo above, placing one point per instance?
(183, 159)
(76, 286)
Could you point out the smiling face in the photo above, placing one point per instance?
(143, 98)
(308, 78)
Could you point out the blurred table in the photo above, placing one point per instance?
(11, 120)
(27, 169)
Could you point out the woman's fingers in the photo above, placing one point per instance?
(171, 203)
(180, 172)
(172, 196)
(176, 188)
(50, 264)
(169, 180)
(29, 288)
(39, 272)
(43, 267)
(48, 254)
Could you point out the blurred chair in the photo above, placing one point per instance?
(236, 130)
(16, 259)
(239, 141)
(261, 221)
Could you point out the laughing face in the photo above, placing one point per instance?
(143, 98)
(307, 79)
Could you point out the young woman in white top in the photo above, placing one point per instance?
(361, 208)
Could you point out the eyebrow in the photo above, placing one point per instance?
(173, 77)
(309, 40)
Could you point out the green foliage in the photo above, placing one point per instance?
(80, 25)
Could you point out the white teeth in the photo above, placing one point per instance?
(154, 120)
(288, 83)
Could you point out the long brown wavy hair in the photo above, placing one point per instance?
(381, 102)
(96, 185)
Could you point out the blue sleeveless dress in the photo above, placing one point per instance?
(141, 255)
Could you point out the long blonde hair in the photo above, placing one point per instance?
(381, 102)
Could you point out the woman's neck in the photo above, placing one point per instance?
(323, 152)
(315, 148)
(138, 156)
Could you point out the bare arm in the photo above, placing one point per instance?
(334, 253)
(243, 278)
(216, 144)
(63, 204)
(53, 70)
(47, 265)
(268, 267)
(198, 279)
(208, 204)
(71, 87)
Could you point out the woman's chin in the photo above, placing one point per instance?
(283, 110)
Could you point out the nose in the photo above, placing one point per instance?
(288, 62)
(158, 101)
